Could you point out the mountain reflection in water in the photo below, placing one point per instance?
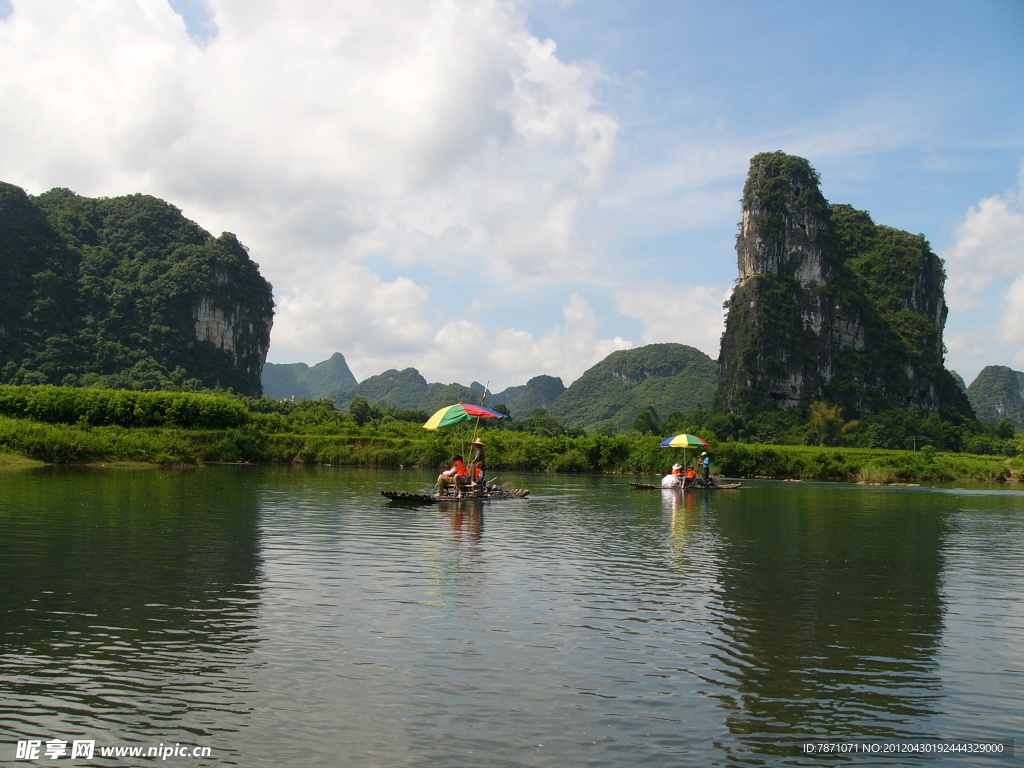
(291, 616)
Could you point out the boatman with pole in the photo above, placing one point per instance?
(477, 463)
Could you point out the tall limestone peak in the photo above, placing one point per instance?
(784, 231)
(829, 305)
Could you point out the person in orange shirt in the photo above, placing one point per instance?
(690, 476)
(456, 475)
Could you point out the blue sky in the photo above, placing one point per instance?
(493, 190)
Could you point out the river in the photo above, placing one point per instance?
(291, 616)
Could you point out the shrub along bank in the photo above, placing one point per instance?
(67, 425)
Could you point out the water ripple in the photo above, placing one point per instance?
(290, 616)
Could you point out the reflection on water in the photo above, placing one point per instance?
(122, 594)
(291, 616)
(831, 614)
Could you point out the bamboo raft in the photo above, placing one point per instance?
(688, 487)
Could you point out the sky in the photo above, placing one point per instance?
(497, 189)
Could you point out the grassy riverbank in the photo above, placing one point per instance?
(404, 444)
(65, 425)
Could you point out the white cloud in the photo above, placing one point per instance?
(98, 92)
(465, 350)
(1012, 325)
(985, 285)
(349, 307)
(685, 314)
(340, 141)
(989, 248)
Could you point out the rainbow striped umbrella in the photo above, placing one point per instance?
(451, 415)
(684, 441)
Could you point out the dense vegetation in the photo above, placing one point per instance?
(66, 425)
(997, 394)
(822, 424)
(658, 377)
(105, 292)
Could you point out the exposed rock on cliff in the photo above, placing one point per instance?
(829, 305)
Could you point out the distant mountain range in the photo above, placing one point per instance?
(300, 382)
(667, 377)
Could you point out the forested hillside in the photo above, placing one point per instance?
(539, 392)
(669, 378)
(997, 394)
(126, 292)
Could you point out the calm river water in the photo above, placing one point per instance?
(292, 617)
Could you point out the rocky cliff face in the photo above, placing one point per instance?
(233, 313)
(236, 331)
(829, 306)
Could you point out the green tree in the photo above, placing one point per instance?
(828, 422)
(540, 422)
(361, 410)
(647, 422)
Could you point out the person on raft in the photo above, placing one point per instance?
(477, 463)
(705, 463)
(690, 476)
(457, 475)
(675, 479)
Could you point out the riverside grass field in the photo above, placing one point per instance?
(57, 425)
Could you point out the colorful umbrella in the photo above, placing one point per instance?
(684, 441)
(451, 415)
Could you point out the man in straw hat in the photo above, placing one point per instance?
(477, 463)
